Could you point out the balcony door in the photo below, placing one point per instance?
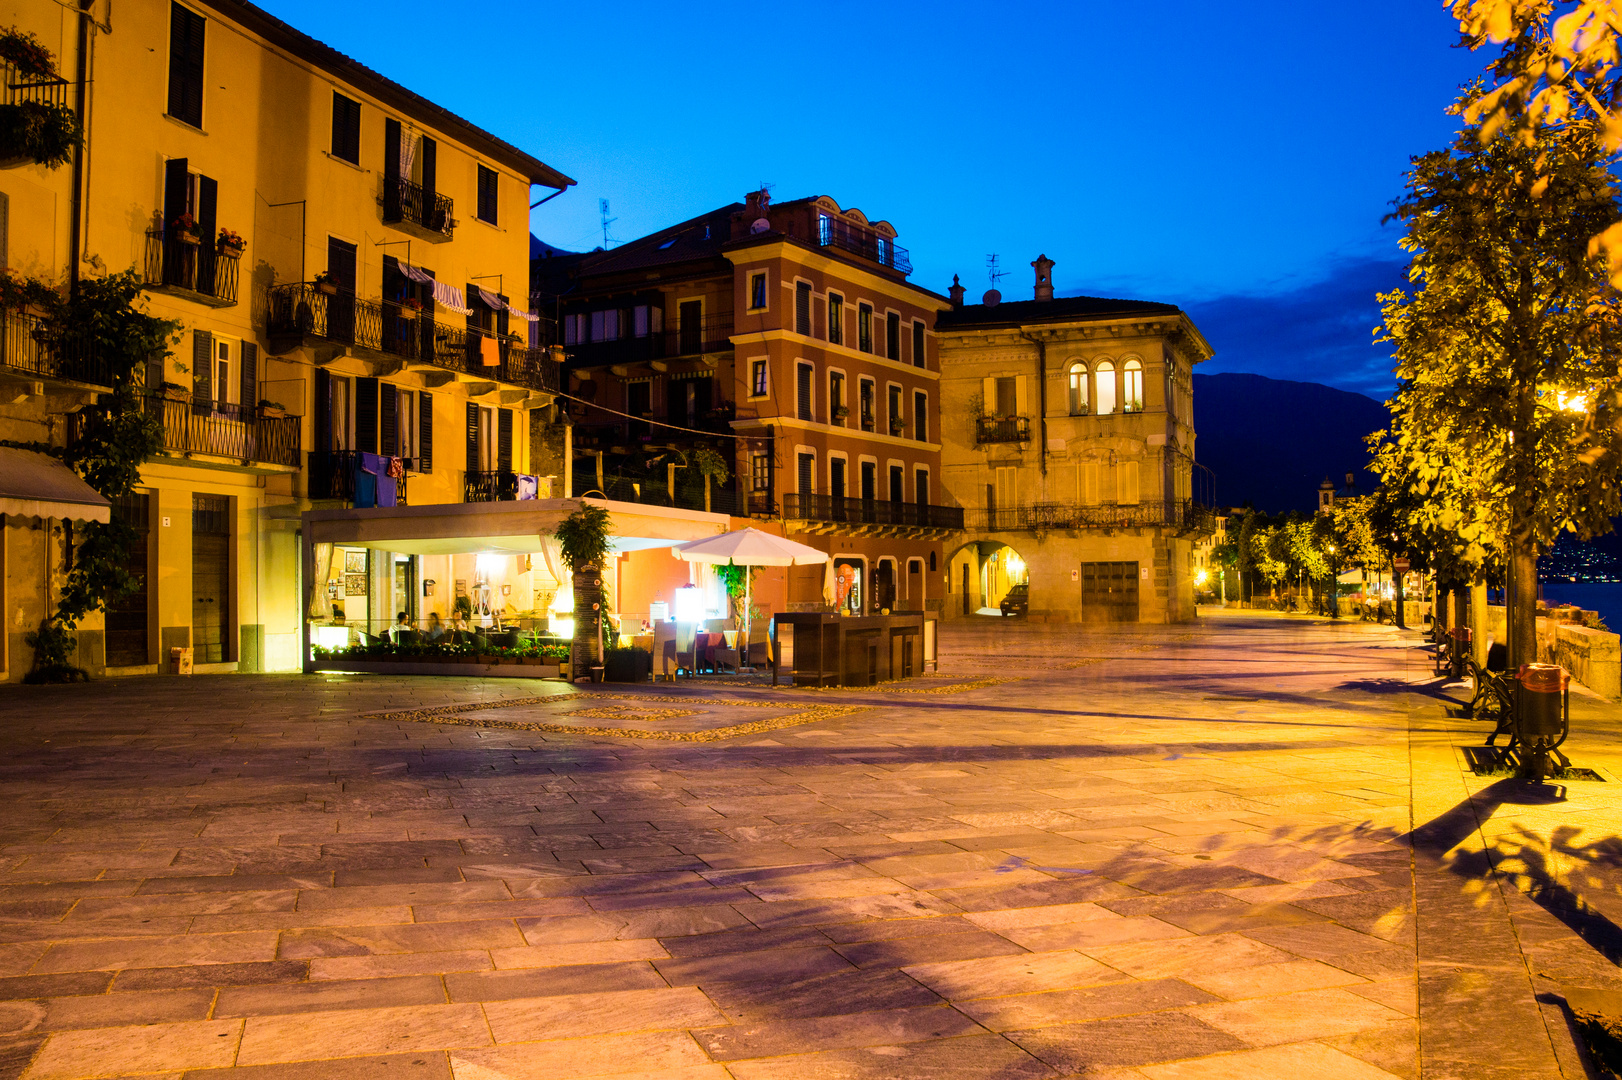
(341, 308)
(691, 315)
(870, 481)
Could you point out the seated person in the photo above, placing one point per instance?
(436, 629)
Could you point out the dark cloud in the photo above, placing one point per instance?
(1318, 332)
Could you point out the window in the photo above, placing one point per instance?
(870, 480)
(1105, 371)
(760, 472)
(898, 476)
(405, 424)
(864, 327)
(931, 562)
(186, 65)
(1126, 484)
(825, 230)
(1007, 401)
(920, 416)
(757, 378)
(807, 464)
(867, 404)
(837, 409)
(918, 352)
(1078, 389)
(487, 195)
(882, 245)
(1132, 394)
(802, 390)
(757, 291)
(920, 486)
(836, 317)
(605, 325)
(345, 129)
(898, 422)
(222, 375)
(836, 477)
(802, 308)
(575, 328)
(338, 415)
(892, 336)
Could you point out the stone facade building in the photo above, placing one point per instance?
(1068, 438)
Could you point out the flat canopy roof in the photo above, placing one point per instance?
(501, 528)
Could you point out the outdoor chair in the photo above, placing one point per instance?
(1494, 698)
(678, 652)
(754, 654)
(664, 648)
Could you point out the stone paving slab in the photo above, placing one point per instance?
(1247, 847)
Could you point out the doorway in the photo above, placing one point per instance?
(210, 577)
(884, 585)
(127, 634)
(849, 585)
(1109, 592)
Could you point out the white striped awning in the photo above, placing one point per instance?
(37, 485)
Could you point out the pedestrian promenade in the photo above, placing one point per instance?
(1246, 847)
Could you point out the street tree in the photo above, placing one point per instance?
(1506, 348)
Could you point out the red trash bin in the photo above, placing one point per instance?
(1541, 701)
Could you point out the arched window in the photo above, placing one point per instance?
(1078, 389)
(1132, 398)
(1105, 373)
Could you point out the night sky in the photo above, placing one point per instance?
(1233, 159)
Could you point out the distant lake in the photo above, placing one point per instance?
(1603, 597)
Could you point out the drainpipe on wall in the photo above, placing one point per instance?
(81, 87)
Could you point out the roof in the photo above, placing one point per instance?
(37, 485)
(697, 238)
(387, 90)
(1059, 309)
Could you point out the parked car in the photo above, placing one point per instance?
(1018, 600)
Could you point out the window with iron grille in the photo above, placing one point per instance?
(345, 129)
(487, 195)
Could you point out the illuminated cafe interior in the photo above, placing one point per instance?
(494, 569)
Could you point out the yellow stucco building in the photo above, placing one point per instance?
(349, 264)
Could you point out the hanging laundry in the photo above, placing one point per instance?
(527, 486)
(489, 353)
(445, 295)
(490, 299)
(522, 314)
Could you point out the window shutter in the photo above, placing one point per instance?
(323, 410)
(802, 377)
(250, 375)
(1021, 400)
(802, 307)
(391, 149)
(919, 352)
(988, 396)
(920, 416)
(1129, 483)
(425, 432)
(186, 65)
(430, 173)
(202, 371)
(504, 440)
(345, 128)
(174, 189)
(366, 415)
(472, 437)
(388, 420)
(5, 230)
(207, 251)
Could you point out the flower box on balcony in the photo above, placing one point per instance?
(272, 412)
(840, 412)
(176, 392)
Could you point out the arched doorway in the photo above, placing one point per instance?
(982, 573)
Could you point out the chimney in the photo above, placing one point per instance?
(1348, 480)
(956, 292)
(1044, 277)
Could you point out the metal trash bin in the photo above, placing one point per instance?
(1541, 721)
(1462, 637)
(180, 661)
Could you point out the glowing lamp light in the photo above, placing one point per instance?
(561, 626)
(487, 563)
(331, 637)
(689, 604)
(1201, 577)
(1016, 567)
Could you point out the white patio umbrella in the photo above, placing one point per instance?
(748, 547)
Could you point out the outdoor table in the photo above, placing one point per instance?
(845, 650)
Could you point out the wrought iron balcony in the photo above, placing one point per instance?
(303, 312)
(711, 334)
(26, 347)
(1184, 515)
(410, 206)
(20, 89)
(494, 485)
(332, 476)
(193, 427)
(191, 266)
(1002, 429)
(846, 236)
(839, 510)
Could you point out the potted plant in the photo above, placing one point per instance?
(584, 541)
(175, 392)
(230, 244)
(271, 410)
(897, 425)
(27, 54)
(841, 411)
(410, 308)
(324, 284)
(184, 229)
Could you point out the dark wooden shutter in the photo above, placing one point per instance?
(504, 440)
(250, 375)
(174, 189)
(472, 437)
(802, 307)
(202, 371)
(487, 195)
(803, 391)
(702, 396)
(366, 415)
(430, 173)
(323, 410)
(391, 150)
(425, 432)
(919, 355)
(186, 65)
(502, 316)
(345, 128)
(207, 251)
(388, 420)
(892, 336)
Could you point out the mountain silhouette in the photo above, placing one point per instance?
(1271, 442)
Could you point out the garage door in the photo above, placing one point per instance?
(1109, 592)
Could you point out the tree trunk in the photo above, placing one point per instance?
(1397, 578)
(1478, 619)
(1523, 613)
(588, 603)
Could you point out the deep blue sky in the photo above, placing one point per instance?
(1231, 158)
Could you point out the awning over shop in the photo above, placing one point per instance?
(37, 485)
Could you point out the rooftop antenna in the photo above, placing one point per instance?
(602, 208)
(993, 272)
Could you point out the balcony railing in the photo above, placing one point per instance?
(23, 89)
(653, 491)
(406, 202)
(838, 233)
(201, 269)
(394, 330)
(1042, 517)
(25, 347)
(711, 334)
(1002, 429)
(494, 485)
(191, 426)
(841, 510)
(332, 476)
